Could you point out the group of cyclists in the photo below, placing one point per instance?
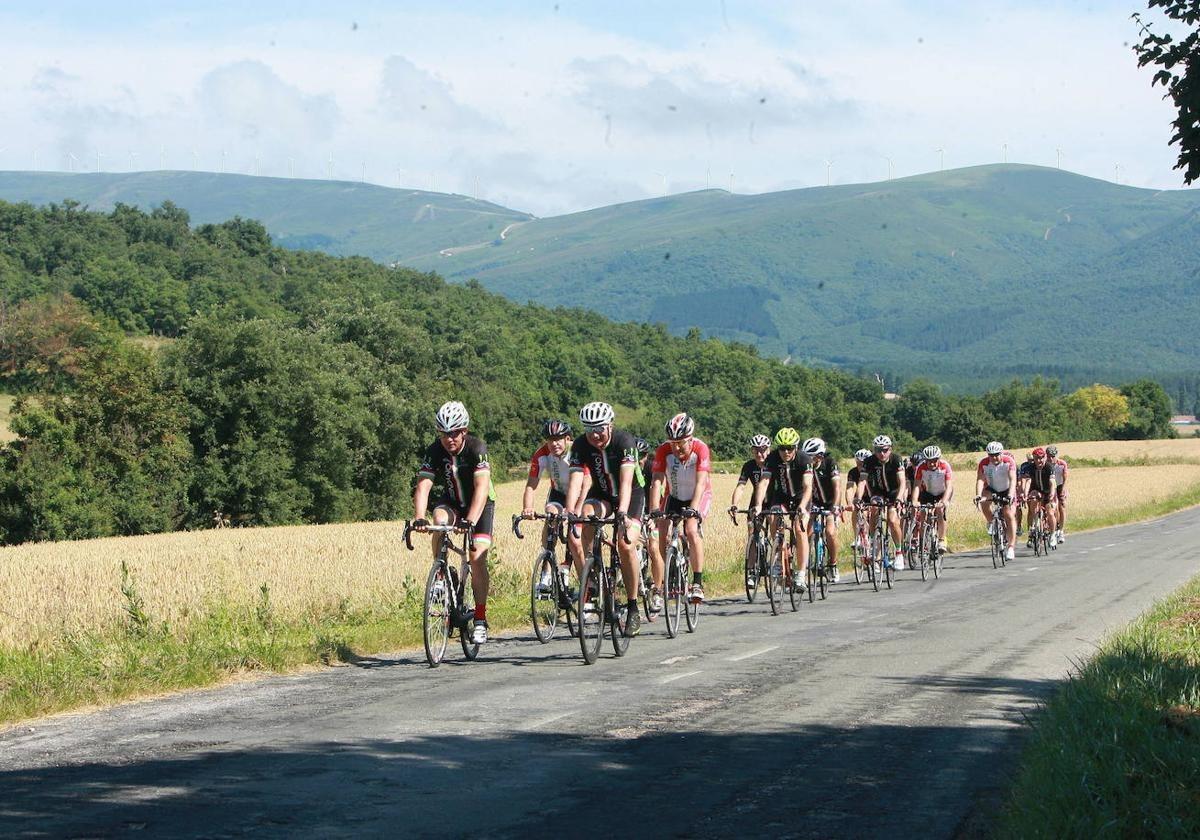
(609, 474)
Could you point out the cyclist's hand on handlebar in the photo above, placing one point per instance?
(466, 525)
(419, 525)
(527, 513)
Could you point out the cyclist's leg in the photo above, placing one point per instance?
(1010, 523)
(443, 514)
(831, 538)
(481, 542)
(798, 528)
(1062, 508)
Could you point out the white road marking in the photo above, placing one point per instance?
(674, 660)
(759, 652)
(546, 721)
(1110, 545)
(674, 677)
(1033, 568)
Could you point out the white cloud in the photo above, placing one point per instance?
(411, 95)
(251, 100)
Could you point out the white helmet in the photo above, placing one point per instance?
(995, 447)
(813, 446)
(596, 414)
(680, 426)
(759, 441)
(882, 440)
(932, 453)
(452, 416)
(862, 454)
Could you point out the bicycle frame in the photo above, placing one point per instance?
(445, 607)
(600, 604)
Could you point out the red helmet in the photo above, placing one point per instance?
(1039, 453)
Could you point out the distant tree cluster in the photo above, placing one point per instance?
(299, 387)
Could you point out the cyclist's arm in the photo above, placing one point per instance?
(806, 494)
(483, 480)
(737, 494)
(421, 497)
(656, 490)
(575, 492)
(626, 488)
(527, 497)
(949, 494)
(703, 483)
(979, 480)
(916, 487)
(760, 492)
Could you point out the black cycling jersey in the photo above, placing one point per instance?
(853, 476)
(825, 483)
(647, 468)
(910, 472)
(751, 472)
(1024, 469)
(787, 478)
(1041, 479)
(883, 477)
(604, 465)
(455, 474)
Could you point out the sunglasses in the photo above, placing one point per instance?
(457, 433)
(595, 430)
(787, 449)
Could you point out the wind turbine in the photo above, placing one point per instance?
(98, 155)
(132, 156)
(828, 172)
(291, 167)
(731, 183)
(222, 169)
(1005, 147)
(363, 179)
(889, 163)
(1117, 171)
(1059, 153)
(329, 170)
(257, 162)
(941, 159)
(663, 175)
(162, 157)
(71, 162)
(35, 153)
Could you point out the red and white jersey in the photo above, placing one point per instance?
(683, 475)
(933, 476)
(996, 476)
(557, 469)
(1060, 471)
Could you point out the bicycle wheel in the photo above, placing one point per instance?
(591, 611)
(751, 571)
(466, 610)
(879, 556)
(775, 579)
(795, 598)
(619, 595)
(820, 559)
(544, 597)
(436, 620)
(645, 582)
(673, 597)
(921, 555)
(858, 554)
(567, 600)
(691, 609)
(997, 553)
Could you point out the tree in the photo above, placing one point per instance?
(1103, 405)
(1149, 411)
(1172, 54)
(921, 409)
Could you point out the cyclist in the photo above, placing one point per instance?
(646, 465)
(1060, 479)
(458, 462)
(606, 479)
(827, 494)
(1041, 492)
(933, 484)
(1022, 473)
(550, 460)
(786, 487)
(752, 473)
(855, 488)
(683, 464)
(883, 479)
(998, 473)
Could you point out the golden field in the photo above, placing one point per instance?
(49, 591)
(1180, 450)
(6, 404)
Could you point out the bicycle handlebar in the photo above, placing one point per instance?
(548, 517)
(572, 519)
(428, 529)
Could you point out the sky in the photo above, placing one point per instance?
(555, 107)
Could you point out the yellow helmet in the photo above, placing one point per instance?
(787, 437)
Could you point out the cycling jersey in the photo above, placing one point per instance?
(683, 476)
(1060, 471)
(1041, 479)
(1024, 469)
(556, 468)
(787, 478)
(825, 483)
(910, 472)
(995, 475)
(603, 466)
(456, 473)
(933, 476)
(751, 472)
(854, 476)
(883, 477)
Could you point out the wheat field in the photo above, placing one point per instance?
(49, 591)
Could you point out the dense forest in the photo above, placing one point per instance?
(169, 372)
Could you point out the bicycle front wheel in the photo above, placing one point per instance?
(673, 597)
(925, 550)
(544, 597)
(591, 611)
(997, 554)
(691, 609)
(775, 579)
(620, 610)
(436, 620)
(466, 604)
(751, 571)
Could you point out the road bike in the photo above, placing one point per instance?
(758, 555)
(926, 555)
(603, 598)
(997, 529)
(784, 546)
(677, 570)
(820, 569)
(449, 598)
(908, 526)
(861, 547)
(1039, 534)
(882, 562)
(646, 584)
(551, 597)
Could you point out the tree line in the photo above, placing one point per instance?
(168, 373)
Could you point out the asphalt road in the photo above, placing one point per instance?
(872, 714)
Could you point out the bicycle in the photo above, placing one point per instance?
(781, 574)
(882, 563)
(997, 529)
(449, 599)
(908, 527)
(603, 598)
(758, 569)
(550, 594)
(861, 548)
(926, 554)
(820, 573)
(1039, 534)
(677, 568)
(646, 584)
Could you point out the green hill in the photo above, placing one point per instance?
(337, 217)
(968, 276)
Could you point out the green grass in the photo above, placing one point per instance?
(1116, 752)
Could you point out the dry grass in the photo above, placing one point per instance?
(1180, 450)
(49, 591)
(6, 404)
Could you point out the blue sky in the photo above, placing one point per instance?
(555, 107)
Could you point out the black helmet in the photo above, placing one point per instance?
(643, 445)
(555, 429)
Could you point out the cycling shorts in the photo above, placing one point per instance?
(890, 495)
(927, 498)
(607, 504)
(557, 497)
(481, 535)
(1004, 497)
(787, 505)
(1062, 493)
(673, 505)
